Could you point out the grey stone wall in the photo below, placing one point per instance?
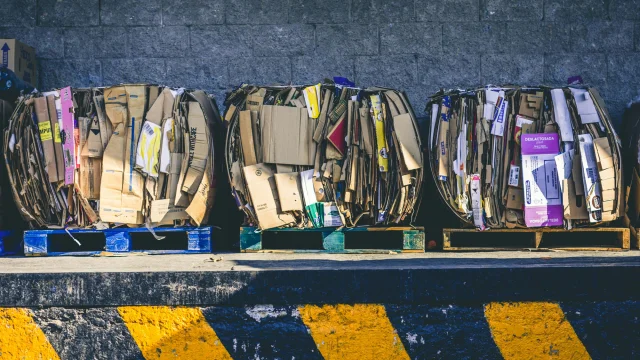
(415, 45)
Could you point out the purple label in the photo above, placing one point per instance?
(538, 216)
(533, 144)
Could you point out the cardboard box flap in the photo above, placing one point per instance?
(288, 185)
(408, 139)
(246, 138)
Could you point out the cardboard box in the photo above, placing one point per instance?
(21, 59)
(543, 200)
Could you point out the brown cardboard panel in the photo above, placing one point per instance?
(607, 205)
(90, 176)
(603, 152)
(608, 195)
(263, 198)
(288, 185)
(609, 173)
(57, 140)
(133, 182)
(255, 125)
(575, 206)
(46, 137)
(93, 146)
(246, 137)
(198, 148)
(287, 136)
(515, 198)
(408, 140)
(203, 199)
(608, 184)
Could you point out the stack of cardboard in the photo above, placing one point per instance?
(324, 155)
(631, 150)
(526, 157)
(128, 154)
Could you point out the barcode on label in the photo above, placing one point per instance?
(514, 175)
(148, 130)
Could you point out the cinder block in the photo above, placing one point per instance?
(256, 12)
(335, 40)
(260, 70)
(130, 12)
(411, 38)
(568, 10)
(198, 73)
(446, 71)
(76, 73)
(42, 42)
(448, 10)
(510, 10)
(89, 43)
(38, 38)
(399, 72)
(311, 69)
(591, 67)
(521, 69)
(624, 69)
(602, 36)
(68, 13)
(479, 37)
(282, 40)
(221, 41)
(377, 11)
(537, 37)
(137, 70)
(192, 12)
(18, 13)
(158, 42)
(318, 12)
(624, 9)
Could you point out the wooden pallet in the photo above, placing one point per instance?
(10, 243)
(178, 240)
(359, 240)
(533, 238)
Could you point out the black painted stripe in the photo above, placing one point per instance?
(262, 332)
(609, 330)
(443, 332)
(97, 333)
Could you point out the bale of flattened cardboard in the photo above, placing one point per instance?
(507, 157)
(630, 133)
(325, 155)
(141, 155)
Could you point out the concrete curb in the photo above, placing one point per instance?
(357, 331)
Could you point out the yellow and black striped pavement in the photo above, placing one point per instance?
(321, 307)
(514, 330)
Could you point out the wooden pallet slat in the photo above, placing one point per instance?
(117, 240)
(537, 239)
(335, 240)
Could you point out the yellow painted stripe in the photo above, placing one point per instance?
(21, 338)
(172, 333)
(534, 330)
(360, 332)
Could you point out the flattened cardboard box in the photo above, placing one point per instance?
(21, 59)
(261, 184)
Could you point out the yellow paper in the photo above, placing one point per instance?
(311, 98)
(381, 140)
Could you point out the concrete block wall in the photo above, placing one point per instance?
(415, 45)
